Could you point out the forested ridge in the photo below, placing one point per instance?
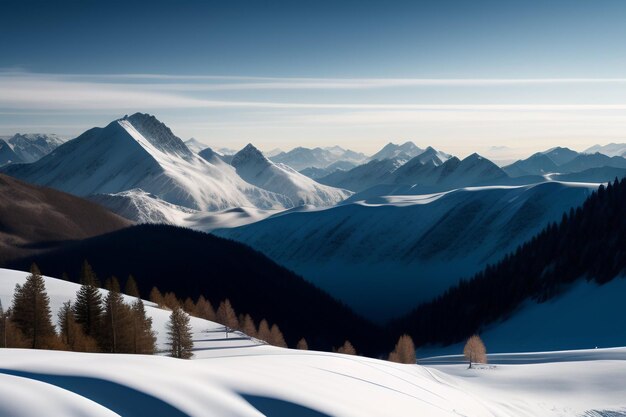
(588, 243)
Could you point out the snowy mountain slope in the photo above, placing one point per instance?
(301, 158)
(596, 160)
(364, 176)
(206, 333)
(141, 152)
(536, 164)
(31, 147)
(612, 149)
(255, 168)
(560, 155)
(142, 207)
(7, 156)
(401, 250)
(597, 175)
(237, 376)
(404, 152)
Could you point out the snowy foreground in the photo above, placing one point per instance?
(239, 376)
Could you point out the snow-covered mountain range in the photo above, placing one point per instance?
(563, 161)
(28, 147)
(140, 152)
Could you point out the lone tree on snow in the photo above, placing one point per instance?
(179, 334)
(475, 351)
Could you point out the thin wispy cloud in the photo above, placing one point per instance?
(36, 92)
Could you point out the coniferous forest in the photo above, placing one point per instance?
(588, 243)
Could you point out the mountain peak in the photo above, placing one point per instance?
(157, 133)
(249, 154)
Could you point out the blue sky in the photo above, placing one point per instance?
(457, 75)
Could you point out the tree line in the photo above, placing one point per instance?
(91, 324)
(589, 242)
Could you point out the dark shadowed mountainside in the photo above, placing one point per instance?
(33, 218)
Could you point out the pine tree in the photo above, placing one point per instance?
(31, 311)
(248, 326)
(276, 337)
(72, 335)
(347, 348)
(226, 315)
(475, 351)
(204, 309)
(88, 304)
(131, 288)
(264, 332)
(156, 297)
(404, 351)
(143, 337)
(117, 324)
(179, 334)
(302, 344)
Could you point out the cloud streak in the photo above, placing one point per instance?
(28, 92)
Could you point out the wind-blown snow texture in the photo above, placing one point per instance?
(401, 250)
(239, 376)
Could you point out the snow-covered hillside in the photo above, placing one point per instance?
(238, 376)
(141, 152)
(582, 317)
(255, 168)
(142, 207)
(417, 245)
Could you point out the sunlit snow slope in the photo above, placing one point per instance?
(240, 377)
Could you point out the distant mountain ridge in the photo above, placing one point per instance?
(27, 147)
(301, 158)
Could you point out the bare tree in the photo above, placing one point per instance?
(264, 332)
(156, 297)
(347, 348)
(204, 309)
(276, 337)
(404, 351)
(248, 326)
(475, 351)
(302, 344)
(226, 315)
